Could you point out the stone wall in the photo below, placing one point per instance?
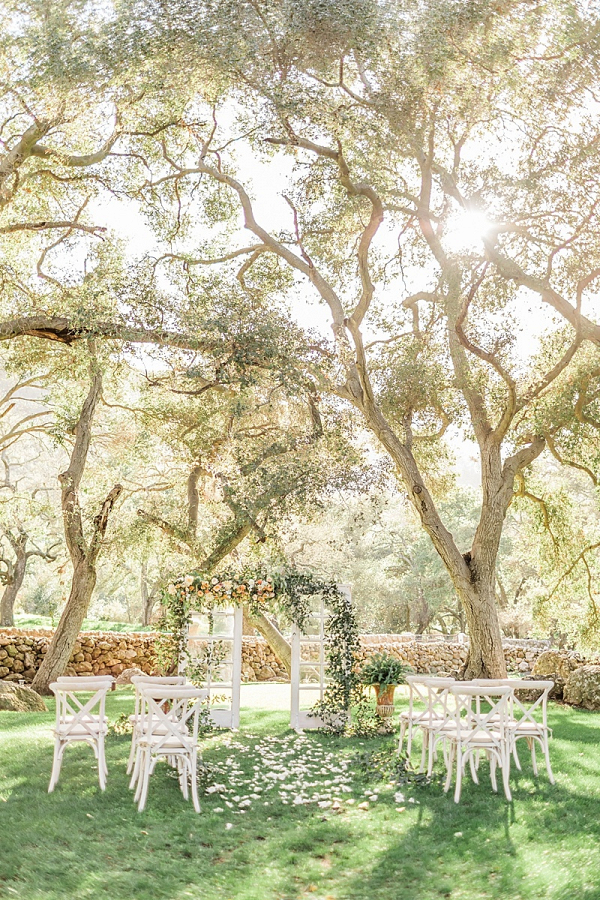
(95, 653)
(446, 657)
(109, 653)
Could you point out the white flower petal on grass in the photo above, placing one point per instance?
(228, 825)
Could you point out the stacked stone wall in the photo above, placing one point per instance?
(109, 653)
(95, 653)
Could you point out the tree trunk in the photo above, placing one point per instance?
(485, 657)
(274, 639)
(146, 595)
(83, 554)
(7, 604)
(61, 647)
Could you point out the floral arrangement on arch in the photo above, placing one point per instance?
(226, 590)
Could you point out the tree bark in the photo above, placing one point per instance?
(84, 555)
(273, 637)
(13, 586)
(148, 596)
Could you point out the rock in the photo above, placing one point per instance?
(20, 699)
(266, 674)
(583, 687)
(127, 674)
(557, 665)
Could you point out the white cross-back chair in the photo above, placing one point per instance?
(481, 725)
(80, 720)
(529, 720)
(422, 709)
(426, 706)
(524, 718)
(440, 704)
(135, 719)
(172, 735)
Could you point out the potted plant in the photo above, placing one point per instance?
(384, 673)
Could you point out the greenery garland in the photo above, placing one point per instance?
(289, 593)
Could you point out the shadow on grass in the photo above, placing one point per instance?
(79, 843)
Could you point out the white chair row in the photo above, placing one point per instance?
(167, 728)
(471, 718)
(165, 725)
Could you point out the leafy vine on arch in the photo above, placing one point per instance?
(288, 593)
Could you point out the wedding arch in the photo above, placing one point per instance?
(203, 622)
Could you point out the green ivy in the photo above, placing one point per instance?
(288, 592)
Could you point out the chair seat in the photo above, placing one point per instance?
(528, 727)
(420, 717)
(172, 744)
(78, 732)
(480, 737)
(88, 718)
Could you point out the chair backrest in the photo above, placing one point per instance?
(431, 691)
(417, 692)
(73, 713)
(470, 715)
(165, 680)
(77, 679)
(185, 701)
(525, 710)
(438, 694)
(158, 679)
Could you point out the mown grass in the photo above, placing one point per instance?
(79, 843)
(24, 620)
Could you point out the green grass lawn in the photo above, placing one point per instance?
(79, 843)
(24, 620)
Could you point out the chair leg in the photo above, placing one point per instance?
(131, 759)
(56, 764)
(140, 764)
(546, 750)
(473, 767)
(144, 781)
(403, 725)
(516, 755)
(533, 759)
(506, 774)
(430, 753)
(194, 780)
(101, 763)
(136, 767)
(459, 774)
(183, 777)
(493, 772)
(423, 751)
(449, 764)
(409, 730)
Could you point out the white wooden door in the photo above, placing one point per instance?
(223, 660)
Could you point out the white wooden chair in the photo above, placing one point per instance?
(525, 722)
(172, 735)
(418, 709)
(439, 720)
(135, 719)
(77, 721)
(426, 707)
(476, 731)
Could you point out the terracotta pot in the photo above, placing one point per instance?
(385, 699)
